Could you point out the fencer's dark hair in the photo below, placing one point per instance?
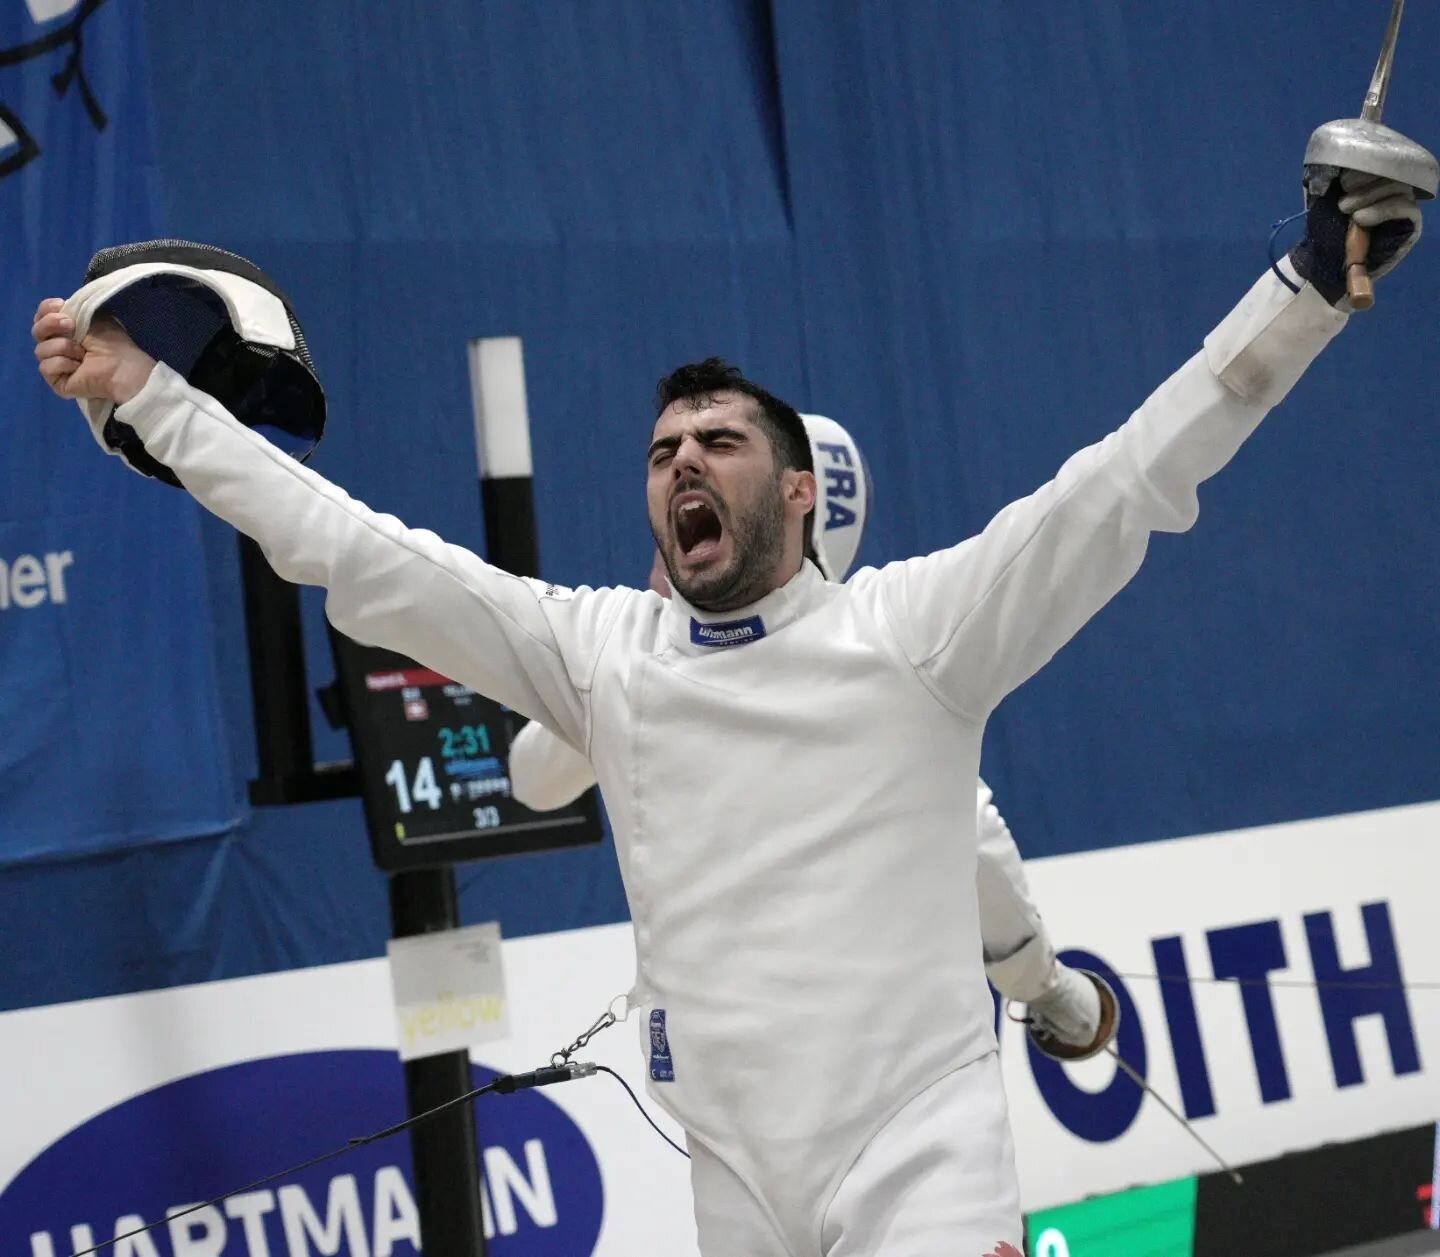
(697, 382)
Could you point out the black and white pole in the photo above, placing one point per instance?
(502, 444)
(448, 1188)
(444, 1150)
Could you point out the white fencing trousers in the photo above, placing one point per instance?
(937, 1180)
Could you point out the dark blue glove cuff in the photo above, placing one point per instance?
(1320, 256)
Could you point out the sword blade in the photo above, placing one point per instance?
(1165, 1104)
(1374, 104)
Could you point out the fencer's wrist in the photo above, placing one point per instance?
(151, 383)
(1027, 973)
(123, 366)
(1329, 282)
(131, 375)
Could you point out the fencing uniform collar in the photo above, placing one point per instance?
(697, 632)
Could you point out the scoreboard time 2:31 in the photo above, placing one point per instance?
(433, 758)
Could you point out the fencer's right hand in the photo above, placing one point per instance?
(1384, 207)
(106, 364)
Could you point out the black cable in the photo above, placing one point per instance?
(503, 1085)
(358, 1142)
(507, 1083)
(605, 1069)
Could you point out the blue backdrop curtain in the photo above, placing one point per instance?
(977, 240)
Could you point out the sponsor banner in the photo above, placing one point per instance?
(163, 1086)
(122, 1110)
(1310, 1038)
(112, 737)
(145, 1159)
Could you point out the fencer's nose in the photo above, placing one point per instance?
(689, 459)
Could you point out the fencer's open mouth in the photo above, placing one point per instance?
(697, 526)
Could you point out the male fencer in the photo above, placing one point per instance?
(788, 762)
(1072, 1013)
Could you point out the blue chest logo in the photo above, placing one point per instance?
(662, 1067)
(731, 633)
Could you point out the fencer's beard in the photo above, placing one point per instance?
(757, 543)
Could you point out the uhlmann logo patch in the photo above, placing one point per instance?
(730, 633)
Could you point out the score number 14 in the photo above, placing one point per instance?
(425, 789)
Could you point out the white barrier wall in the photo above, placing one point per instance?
(1270, 1067)
(125, 1108)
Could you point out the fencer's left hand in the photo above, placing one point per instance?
(1387, 208)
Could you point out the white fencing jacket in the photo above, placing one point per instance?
(789, 784)
(546, 773)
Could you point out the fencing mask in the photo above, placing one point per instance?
(216, 319)
(842, 501)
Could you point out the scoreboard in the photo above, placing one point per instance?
(434, 764)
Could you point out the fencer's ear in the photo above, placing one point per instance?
(800, 489)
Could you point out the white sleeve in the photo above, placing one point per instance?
(529, 645)
(1008, 916)
(546, 772)
(1019, 954)
(977, 620)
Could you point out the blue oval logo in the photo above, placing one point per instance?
(196, 1137)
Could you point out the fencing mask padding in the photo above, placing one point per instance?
(214, 318)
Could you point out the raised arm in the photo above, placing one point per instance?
(978, 619)
(545, 771)
(529, 645)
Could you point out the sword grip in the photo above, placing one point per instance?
(1359, 287)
